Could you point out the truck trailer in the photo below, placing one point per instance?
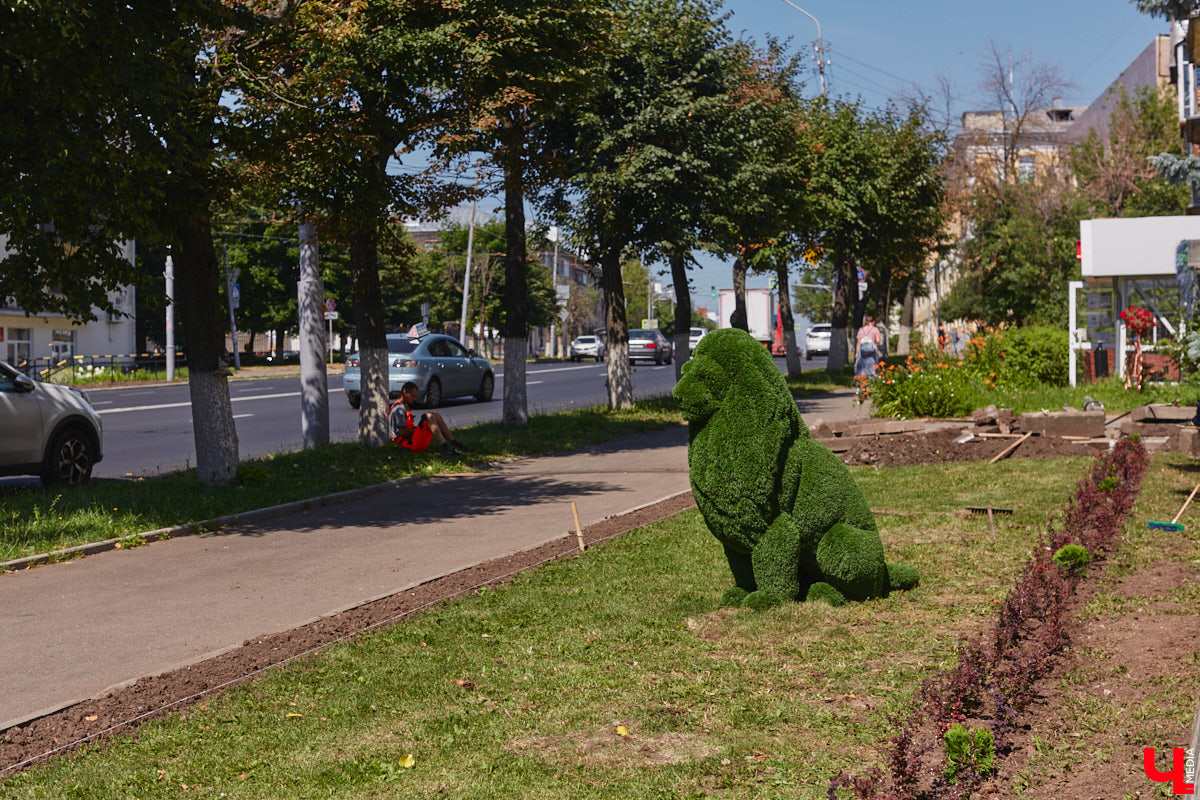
(760, 312)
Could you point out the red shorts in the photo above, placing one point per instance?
(420, 439)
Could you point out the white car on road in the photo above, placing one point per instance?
(47, 430)
(816, 341)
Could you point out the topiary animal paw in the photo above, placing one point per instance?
(761, 600)
(902, 576)
(823, 591)
(733, 597)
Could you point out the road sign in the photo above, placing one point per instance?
(649, 323)
(329, 304)
(330, 315)
(235, 296)
(773, 282)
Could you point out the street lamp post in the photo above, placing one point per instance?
(820, 44)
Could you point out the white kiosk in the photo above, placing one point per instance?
(1128, 261)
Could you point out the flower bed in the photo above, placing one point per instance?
(962, 719)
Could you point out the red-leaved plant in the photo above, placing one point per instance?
(996, 671)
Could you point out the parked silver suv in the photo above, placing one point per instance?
(47, 430)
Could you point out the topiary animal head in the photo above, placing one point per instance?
(731, 362)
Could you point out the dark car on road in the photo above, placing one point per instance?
(438, 364)
(649, 344)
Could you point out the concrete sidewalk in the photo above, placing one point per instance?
(76, 629)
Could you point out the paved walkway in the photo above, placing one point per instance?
(74, 630)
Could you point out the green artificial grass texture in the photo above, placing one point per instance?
(785, 509)
(37, 520)
(518, 691)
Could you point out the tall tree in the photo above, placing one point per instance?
(121, 110)
(342, 93)
(518, 65)
(644, 157)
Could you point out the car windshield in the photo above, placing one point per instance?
(586, 339)
(641, 334)
(697, 331)
(401, 344)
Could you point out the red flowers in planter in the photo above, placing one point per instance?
(1138, 320)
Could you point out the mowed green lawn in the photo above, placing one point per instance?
(612, 674)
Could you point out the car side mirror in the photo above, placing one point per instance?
(471, 352)
(23, 383)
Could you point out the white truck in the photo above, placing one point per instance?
(760, 312)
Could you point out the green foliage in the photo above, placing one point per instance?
(1109, 484)
(968, 751)
(902, 576)
(1019, 358)
(924, 388)
(785, 509)
(1072, 557)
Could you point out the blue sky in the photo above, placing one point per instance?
(879, 49)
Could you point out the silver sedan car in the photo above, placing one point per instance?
(438, 364)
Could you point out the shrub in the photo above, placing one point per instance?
(1072, 557)
(939, 389)
(968, 751)
(1019, 358)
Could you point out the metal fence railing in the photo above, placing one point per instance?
(100, 369)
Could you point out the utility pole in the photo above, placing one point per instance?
(170, 279)
(820, 47)
(231, 289)
(462, 325)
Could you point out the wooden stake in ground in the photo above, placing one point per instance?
(578, 528)
(1010, 448)
(992, 523)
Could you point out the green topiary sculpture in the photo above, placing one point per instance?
(793, 523)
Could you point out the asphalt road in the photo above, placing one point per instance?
(148, 429)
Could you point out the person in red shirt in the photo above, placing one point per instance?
(415, 435)
(868, 348)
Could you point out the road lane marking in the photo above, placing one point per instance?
(187, 404)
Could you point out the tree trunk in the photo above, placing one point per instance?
(314, 385)
(197, 281)
(372, 335)
(683, 312)
(789, 322)
(620, 380)
(843, 302)
(739, 319)
(906, 319)
(516, 294)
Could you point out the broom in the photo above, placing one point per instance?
(1173, 525)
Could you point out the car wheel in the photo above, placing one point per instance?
(433, 394)
(69, 460)
(486, 388)
(354, 400)
(599, 358)
(808, 356)
(670, 358)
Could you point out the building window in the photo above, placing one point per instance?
(18, 345)
(62, 345)
(1025, 168)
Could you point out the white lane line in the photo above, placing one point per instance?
(599, 365)
(102, 402)
(239, 416)
(185, 405)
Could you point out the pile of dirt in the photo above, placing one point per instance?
(938, 446)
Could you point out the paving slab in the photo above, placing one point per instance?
(77, 629)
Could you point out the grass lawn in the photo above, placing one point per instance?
(611, 674)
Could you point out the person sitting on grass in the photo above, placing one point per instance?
(416, 435)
